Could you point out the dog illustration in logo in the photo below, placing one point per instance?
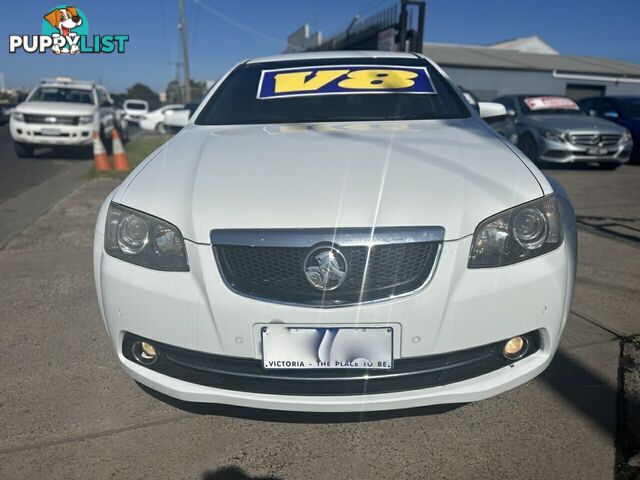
(64, 19)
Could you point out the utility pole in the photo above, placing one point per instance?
(179, 90)
(185, 52)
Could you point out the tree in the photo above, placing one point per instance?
(175, 91)
(140, 91)
(119, 98)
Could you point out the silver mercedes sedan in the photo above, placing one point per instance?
(554, 129)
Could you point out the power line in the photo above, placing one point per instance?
(239, 25)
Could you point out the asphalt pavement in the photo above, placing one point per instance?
(20, 174)
(67, 410)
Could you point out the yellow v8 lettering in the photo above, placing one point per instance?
(300, 81)
(379, 79)
(344, 79)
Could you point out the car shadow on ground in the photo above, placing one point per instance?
(590, 394)
(583, 390)
(565, 376)
(61, 153)
(296, 417)
(232, 473)
(619, 228)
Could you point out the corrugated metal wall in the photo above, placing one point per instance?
(490, 83)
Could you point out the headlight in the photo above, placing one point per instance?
(85, 120)
(626, 136)
(552, 135)
(520, 233)
(147, 241)
(18, 116)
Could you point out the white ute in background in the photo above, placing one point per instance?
(63, 112)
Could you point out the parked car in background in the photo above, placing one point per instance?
(5, 112)
(471, 98)
(62, 112)
(154, 120)
(179, 118)
(122, 122)
(554, 129)
(134, 109)
(623, 110)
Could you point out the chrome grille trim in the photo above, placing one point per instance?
(595, 139)
(345, 237)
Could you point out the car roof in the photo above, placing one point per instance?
(330, 55)
(530, 95)
(78, 85)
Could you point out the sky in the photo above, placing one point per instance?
(224, 32)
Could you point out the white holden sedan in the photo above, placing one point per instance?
(335, 232)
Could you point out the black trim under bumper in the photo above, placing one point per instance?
(247, 375)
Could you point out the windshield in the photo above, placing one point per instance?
(62, 94)
(549, 106)
(630, 107)
(135, 105)
(332, 91)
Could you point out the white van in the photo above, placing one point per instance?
(134, 109)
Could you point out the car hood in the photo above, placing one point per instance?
(55, 108)
(567, 123)
(451, 173)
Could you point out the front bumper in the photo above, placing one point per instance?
(38, 134)
(132, 117)
(460, 309)
(566, 152)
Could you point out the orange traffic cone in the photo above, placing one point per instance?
(100, 159)
(120, 160)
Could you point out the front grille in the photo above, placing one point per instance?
(51, 119)
(40, 134)
(374, 272)
(595, 139)
(247, 375)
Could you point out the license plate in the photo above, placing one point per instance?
(597, 151)
(52, 132)
(286, 347)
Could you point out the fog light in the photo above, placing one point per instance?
(148, 350)
(144, 353)
(515, 348)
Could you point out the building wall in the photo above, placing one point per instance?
(490, 83)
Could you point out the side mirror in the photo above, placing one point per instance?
(610, 114)
(494, 111)
(106, 103)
